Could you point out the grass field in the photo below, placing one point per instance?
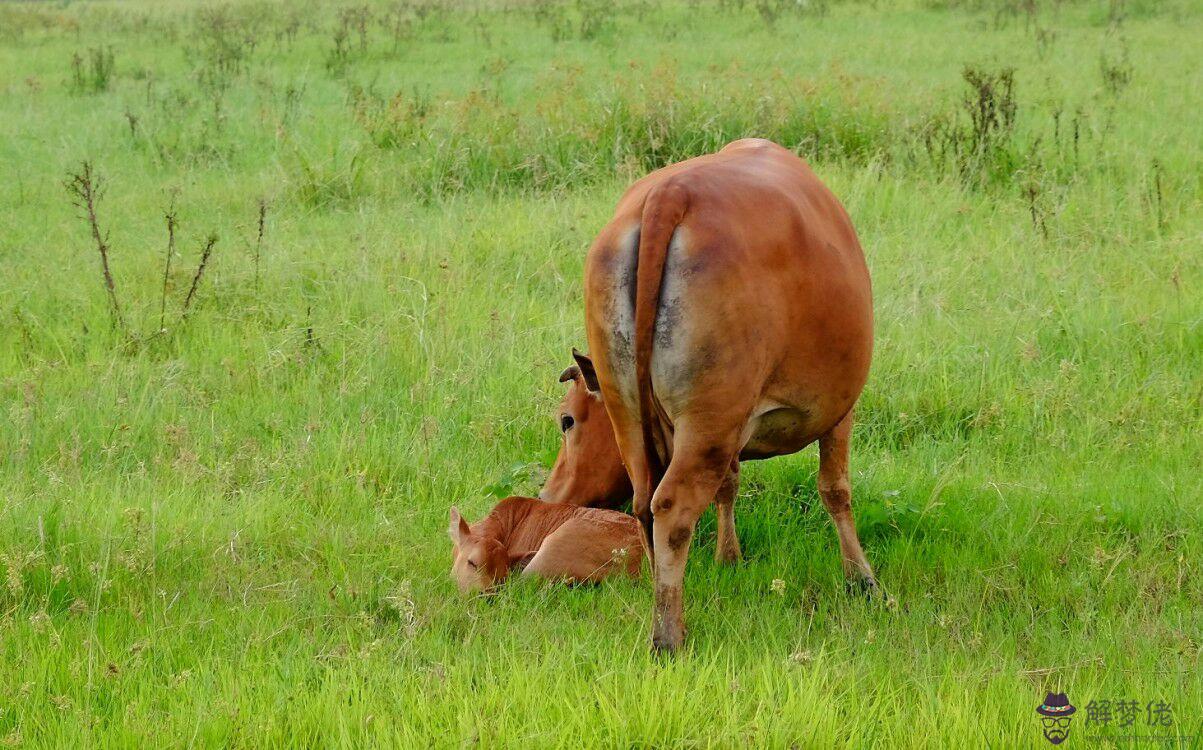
(223, 495)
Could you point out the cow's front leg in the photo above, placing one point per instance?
(688, 488)
(727, 548)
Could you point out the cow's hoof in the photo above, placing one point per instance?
(727, 557)
(872, 591)
(664, 648)
(865, 586)
(667, 643)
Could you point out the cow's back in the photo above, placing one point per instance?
(765, 297)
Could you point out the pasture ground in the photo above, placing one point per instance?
(227, 527)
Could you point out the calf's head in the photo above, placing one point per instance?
(589, 468)
(478, 563)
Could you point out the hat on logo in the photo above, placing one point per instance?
(1056, 704)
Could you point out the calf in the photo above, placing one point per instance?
(550, 540)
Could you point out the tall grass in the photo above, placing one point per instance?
(636, 122)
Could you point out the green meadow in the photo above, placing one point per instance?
(281, 282)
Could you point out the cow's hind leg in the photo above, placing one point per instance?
(693, 478)
(641, 507)
(727, 549)
(836, 491)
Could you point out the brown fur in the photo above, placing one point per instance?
(588, 470)
(753, 331)
(550, 540)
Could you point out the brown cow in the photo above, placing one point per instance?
(551, 540)
(588, 469)
(729, 315)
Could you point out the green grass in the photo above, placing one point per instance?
(232, 532)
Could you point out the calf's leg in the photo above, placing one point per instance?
(836, 491)
(582, 551)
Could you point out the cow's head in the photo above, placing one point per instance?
(477, 563)
(589, 468)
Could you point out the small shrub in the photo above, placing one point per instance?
(991, 106)
(398, 22)
(92, 72)
(1116, 69)
(350, 32)
(85, 190)
(330, 183)
(978, 141)
(552, 15)
(1045, 40)
(393, 122)
(224, 39)
(770, 11)
(596, 17)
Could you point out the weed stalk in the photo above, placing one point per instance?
(84, 187)
(196, 277)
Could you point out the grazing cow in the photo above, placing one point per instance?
(729, 316)
(588, 469)
(551, 540)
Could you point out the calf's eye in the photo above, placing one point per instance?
(566, 423)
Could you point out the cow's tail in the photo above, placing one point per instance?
(663, 210)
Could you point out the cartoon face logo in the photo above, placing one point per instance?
(1055, 716)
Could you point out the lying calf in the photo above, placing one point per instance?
(551, 540)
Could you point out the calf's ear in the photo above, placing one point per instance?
(571, 373)
(458, 530)
(587, 372)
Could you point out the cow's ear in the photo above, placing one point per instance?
(571, 373)
(587, 372)
(458, 530)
